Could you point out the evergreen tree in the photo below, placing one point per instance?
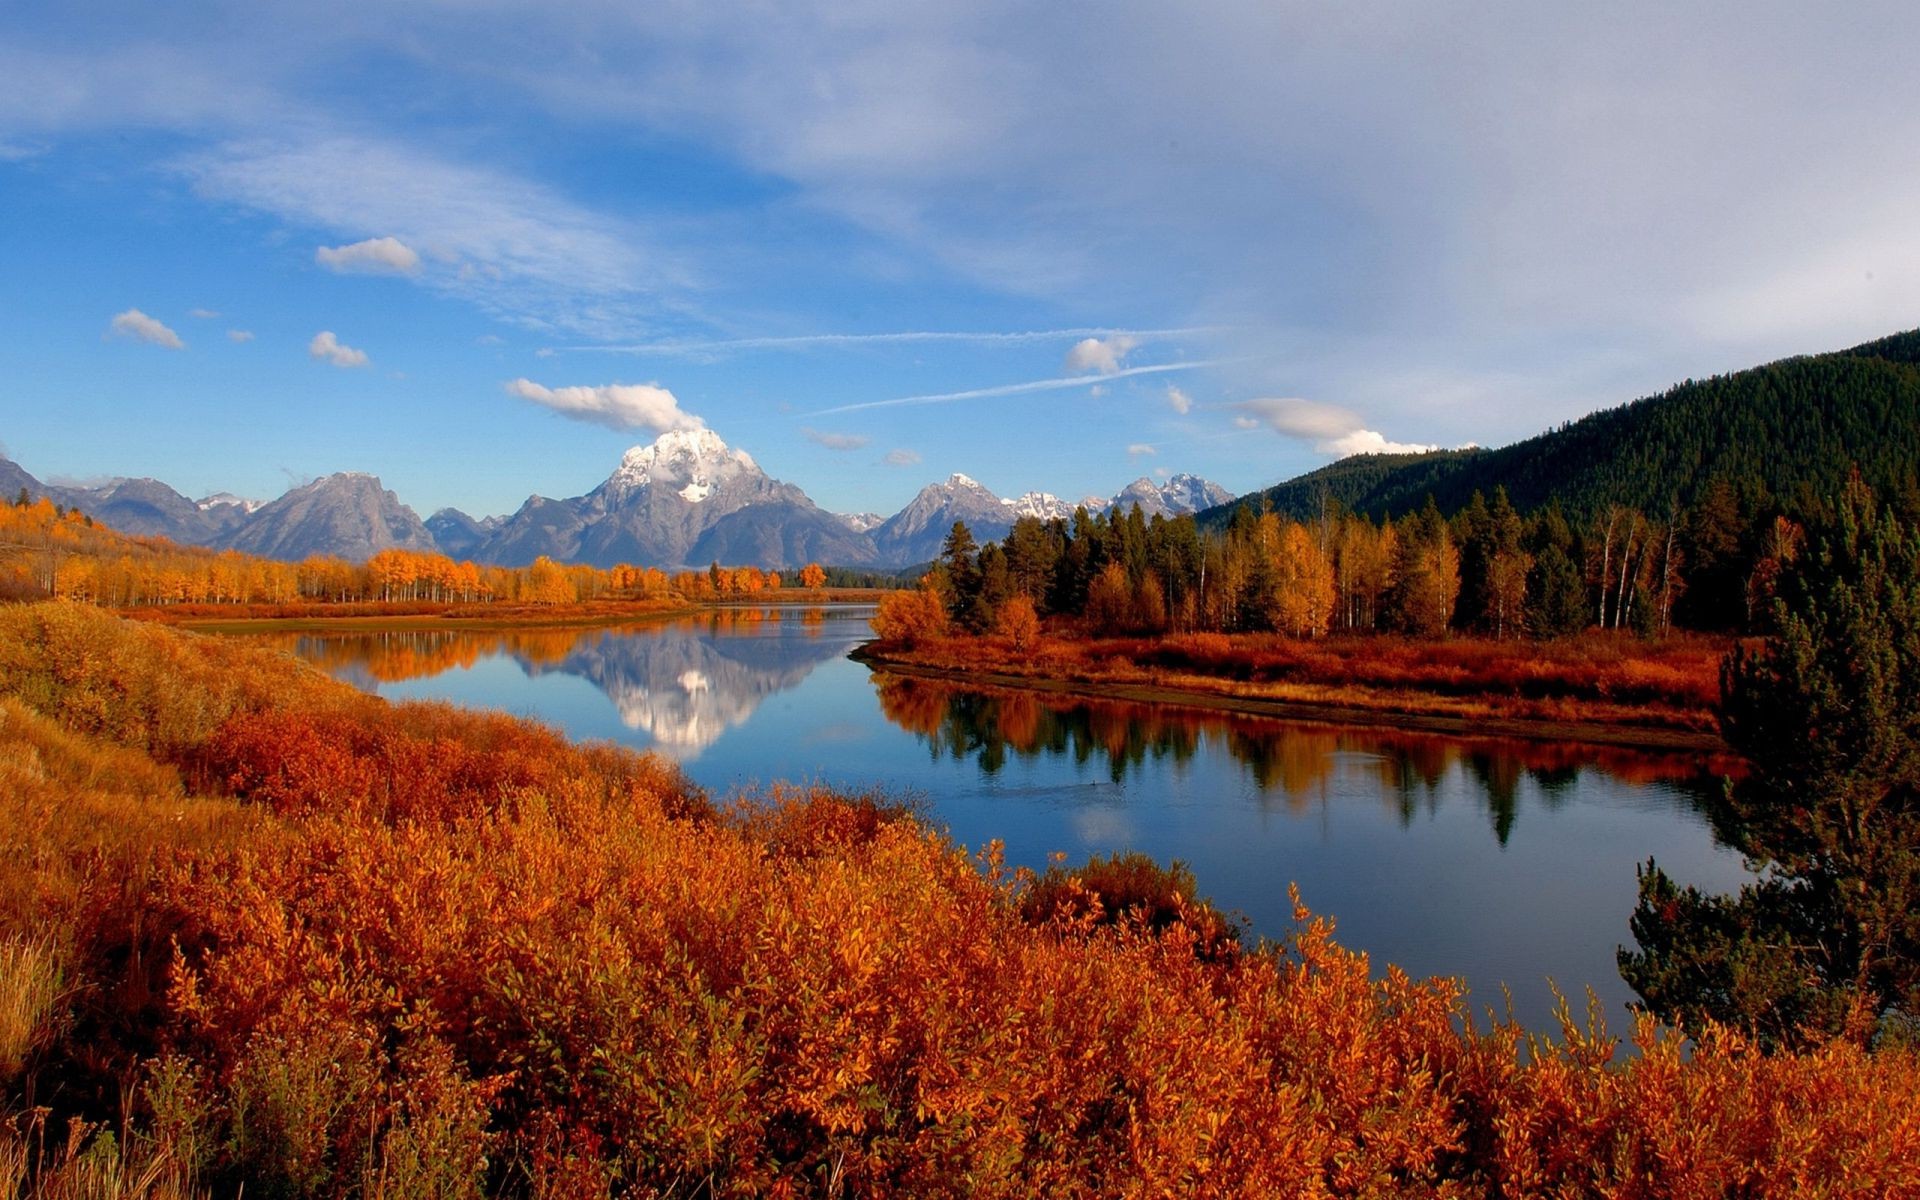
(959, 562)
(1827, 940)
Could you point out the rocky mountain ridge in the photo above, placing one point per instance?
(682, 501)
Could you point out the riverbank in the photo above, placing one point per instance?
(1599, 691)
(423, 615)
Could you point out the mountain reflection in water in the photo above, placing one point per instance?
(682, 683)
(1290, 763)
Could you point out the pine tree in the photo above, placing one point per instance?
(1827, 941)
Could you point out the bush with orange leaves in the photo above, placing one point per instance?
(575, 980)
(911, 617)
(1018, 622)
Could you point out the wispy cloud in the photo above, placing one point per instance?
(902, 458)
(1178, 400)
(375, 256)
(1016, 389)
(510, 244)
(142, 328)
(814, 341)
(202, 314)
(328, 348)
(239, 335)
(836, 441)
(616, 405)
(1141, 450)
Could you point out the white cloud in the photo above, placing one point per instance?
(1140, 449)
(836, 441)
(375, 256)
(1105, 355)
(1178, 400)
(616, 405)
(239, 335)
(902, 458)
(1301, 418)
(329, 348)
(1332, 429)
(202, 314)
(1366, 441)
(139, 326)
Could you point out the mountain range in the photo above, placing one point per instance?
(1784, 433)
(685, 500)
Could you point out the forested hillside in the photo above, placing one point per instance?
(1778, 434)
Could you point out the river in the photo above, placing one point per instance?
(1507, 862)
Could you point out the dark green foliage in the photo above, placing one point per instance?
(1780, 434)
(1828, 714)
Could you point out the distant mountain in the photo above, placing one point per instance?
(1179, 496)
(916, 532)
(458, 534)
(684, 501)
(1779, 432)
(1046, 506)
(149, 508)
(860, 522)
(14, 479)
(226, 500)
(348, 514)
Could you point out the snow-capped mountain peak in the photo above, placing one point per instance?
(1044, 505)
(228, 500)
(692, 463)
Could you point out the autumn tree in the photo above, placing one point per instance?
(912, 616)
(813, 577)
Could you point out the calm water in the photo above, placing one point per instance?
(1508, 863)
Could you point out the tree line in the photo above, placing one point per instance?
(49, 550)
(1487, 569)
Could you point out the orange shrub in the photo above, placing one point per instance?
(912, 617)
(539, 973)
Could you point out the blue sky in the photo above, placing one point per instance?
(480, 248)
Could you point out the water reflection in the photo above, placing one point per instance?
(682, 683)
(1292, 766)
(1502, 861)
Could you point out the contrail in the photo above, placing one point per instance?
(1014, 389)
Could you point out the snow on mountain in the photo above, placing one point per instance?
(683, 500)
(227, 500)
(1180, 496)
(692, 463)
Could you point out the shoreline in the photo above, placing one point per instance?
(462, 616)
(1635, 737)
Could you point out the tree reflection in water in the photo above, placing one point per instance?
(1291, 764)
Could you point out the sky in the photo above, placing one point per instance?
(480, 247)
